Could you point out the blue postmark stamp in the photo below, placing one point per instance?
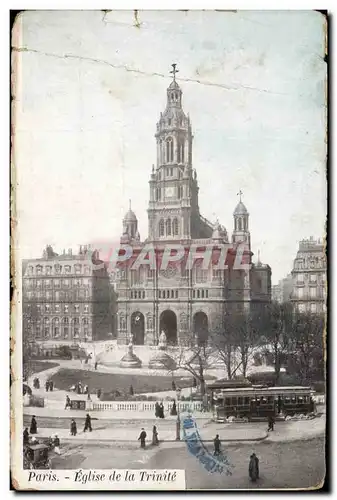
(196, 447)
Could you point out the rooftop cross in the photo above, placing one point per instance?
(240, 193)
(174, 71)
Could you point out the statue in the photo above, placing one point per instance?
(162, 341)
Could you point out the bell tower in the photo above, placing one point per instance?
(241, 232)
(173, 183)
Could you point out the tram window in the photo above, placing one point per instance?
(227, 401)
(287, 400)
(234, 401)
(293, 398)
(246, 401)
(240, 401)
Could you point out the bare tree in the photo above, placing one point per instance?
(277, 323)
(308, 350)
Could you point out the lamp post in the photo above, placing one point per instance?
(178, 391)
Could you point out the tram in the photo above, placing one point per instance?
(258, 401)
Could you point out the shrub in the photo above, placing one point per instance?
(36, 401)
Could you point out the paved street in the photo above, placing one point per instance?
(282, 465)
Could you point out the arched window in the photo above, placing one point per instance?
(161, 228)
(239, 224)
(168, 227)
(169, 150)
(181, 152)
(175, 227)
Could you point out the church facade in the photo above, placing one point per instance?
(185, 304)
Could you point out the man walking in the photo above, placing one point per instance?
(217, 444)
(87, 424)
(270, 423)
(142, 438)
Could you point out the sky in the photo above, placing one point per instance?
(89, 88)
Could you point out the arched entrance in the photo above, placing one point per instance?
(168, 324)
(200, 328)
(137, 328)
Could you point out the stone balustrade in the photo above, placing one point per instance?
(145, 406)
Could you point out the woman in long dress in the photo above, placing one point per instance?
(254, 467)
(155, 440)
(33, 426)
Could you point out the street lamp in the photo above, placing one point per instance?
(178, 391)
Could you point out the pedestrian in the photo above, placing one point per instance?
(173, 386)
(142, 438)
(33, 426)
(26, 436)
(131, 391)
(217, 444)
(253, 469)
(89, 397)
(173, 411)
(51, 385)
(87, 424)
(47, 385)
(56, 444)
(96, 365)
(73, 427)
(157, 410)
(161, 410)
(99, 392)
(270, 423)
(155, 440)
(68, 402)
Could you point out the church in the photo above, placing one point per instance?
(186, 304)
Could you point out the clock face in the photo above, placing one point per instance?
(169, 192)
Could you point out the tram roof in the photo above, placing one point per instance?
(288, 388)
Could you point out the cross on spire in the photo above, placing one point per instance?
(174, 71)
(240, 193)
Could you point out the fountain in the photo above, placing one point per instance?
(130, 360)
(161, 360)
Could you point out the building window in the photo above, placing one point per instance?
(161, 228)
(65, 321)
(38, 283)
(171, 171)
(38, 331)
(313, 278)
(30, 270)
(46, 332)
(66, 308)
(39, 269)
(65, 332)
(176, 293)
(57, 308)
(67, 269)
(57, 268)
(168, 227)
(86, 294)
(78, 268)
(57, 283)
(150, 273)
(313, 308)
(47, 283)
(86, 308)
(76, 308)
(77, 282)
(301, 308)
(181, 151)
(48, 295)
(159, 294)
(76, 333)
(300, 293)
(300, 278)
(48, 269)
(85, 321)
(86, 270)
(122, 323)
(313, 292)
(206, 294)
(47, 308)
(76, 321)
(169, 150)
(57, 295)
(175, 227)
(56, 331)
